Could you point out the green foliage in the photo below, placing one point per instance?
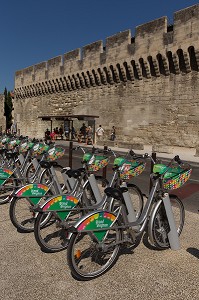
(8, 108)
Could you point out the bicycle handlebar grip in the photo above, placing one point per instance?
(132, 153)
(177, 159)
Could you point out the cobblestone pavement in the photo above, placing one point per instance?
(28, 273)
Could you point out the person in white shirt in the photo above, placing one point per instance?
(99, 133)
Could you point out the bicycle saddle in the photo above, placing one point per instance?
(75, 173)
(47, 164)
(115, 193)
(11, 154)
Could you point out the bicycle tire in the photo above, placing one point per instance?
(102, 183)
(11, 184)
(46, 179)
(158, 225)
(30, 171)
(78, 258)
(21, 215)
(50, 236)
(136, 198)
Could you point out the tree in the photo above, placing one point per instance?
(8, 108)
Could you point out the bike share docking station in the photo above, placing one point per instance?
(173, 234)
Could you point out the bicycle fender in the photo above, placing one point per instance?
(34, 191)
(98, 220)
(61, 204)
(4, 175)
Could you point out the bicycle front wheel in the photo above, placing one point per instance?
(88, 258)
(159, 228)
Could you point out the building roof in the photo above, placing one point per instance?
(65, 117)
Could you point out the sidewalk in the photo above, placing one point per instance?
(185, 154)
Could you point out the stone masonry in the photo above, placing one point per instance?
(146, 85)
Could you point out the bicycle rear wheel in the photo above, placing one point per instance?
(22, 215)
(88, 258)
(159, 228)
(51, 236)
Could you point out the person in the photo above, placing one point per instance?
(61, 132)
(99, 133)
(89, 136)
(113, 134)
(73, 133)
(66, 132)
(47, 134)
(83, 132)
(56, 131)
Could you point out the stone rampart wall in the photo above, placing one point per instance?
(147, 85)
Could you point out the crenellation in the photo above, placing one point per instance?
(186, 23)
(53, 66)
(71, 61)
(117, 46)
(40, 71)
(149, 37)
(92, 50)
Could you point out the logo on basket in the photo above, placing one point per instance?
(126, 167)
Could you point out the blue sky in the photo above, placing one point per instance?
(33, 31)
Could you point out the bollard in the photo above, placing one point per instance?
(104, 170)
(70, 158)
(153, 155)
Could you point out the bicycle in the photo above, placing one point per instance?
(17, 163)
(63, 207)
(26, 197)
(96, 238)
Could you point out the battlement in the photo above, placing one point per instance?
(150, 39)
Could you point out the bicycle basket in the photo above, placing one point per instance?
(55, 153)
(175, 177)
(131, 168)
(5, 140)
(22, 147)
(87, 157)
(97, 162)
(26, 146)
(13, 143)
(37, 149)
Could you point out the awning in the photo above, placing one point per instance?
(68, 117)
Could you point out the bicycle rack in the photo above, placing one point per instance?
(173, 234)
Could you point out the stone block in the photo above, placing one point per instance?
(130, 145)
(162, 149)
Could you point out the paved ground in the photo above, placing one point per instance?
(28, 273)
